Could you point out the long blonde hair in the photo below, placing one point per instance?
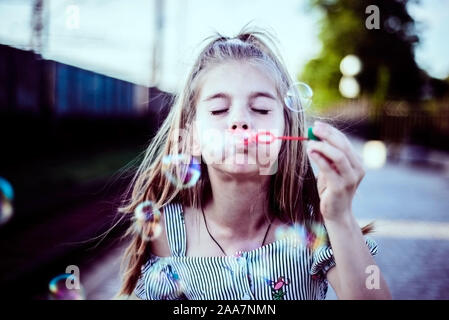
(293, 190)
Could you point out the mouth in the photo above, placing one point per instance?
(242, 138)
(240, 147)
(242, 150)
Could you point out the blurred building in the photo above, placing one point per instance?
(31, 84)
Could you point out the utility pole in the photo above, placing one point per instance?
(45, 85)
(158, 42)
(37, 26)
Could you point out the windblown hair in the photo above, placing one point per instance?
(292, 190)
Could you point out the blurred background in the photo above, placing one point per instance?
(85, 84)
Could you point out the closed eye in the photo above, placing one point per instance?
(261, 111)
(218, 112)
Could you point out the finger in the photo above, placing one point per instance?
(324, 165)
(339, 140)
(335, 155)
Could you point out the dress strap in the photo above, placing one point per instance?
(175, 227)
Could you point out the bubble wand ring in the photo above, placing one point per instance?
(266, 137)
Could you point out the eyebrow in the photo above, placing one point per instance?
(252, 96)
(217, 96)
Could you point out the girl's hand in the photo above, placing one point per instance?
(340, 171)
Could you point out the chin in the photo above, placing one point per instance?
(241, 168)
(241, 165)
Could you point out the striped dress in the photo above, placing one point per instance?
(281, 270)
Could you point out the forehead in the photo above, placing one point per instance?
(237, 78)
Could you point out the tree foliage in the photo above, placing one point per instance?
(387, 53)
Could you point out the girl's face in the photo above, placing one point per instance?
(237, 99)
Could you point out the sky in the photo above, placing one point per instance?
(433, 51)
(117, 37)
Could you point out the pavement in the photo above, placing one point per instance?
(408, 197)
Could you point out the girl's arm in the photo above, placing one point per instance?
(340, 173)
(356, 274)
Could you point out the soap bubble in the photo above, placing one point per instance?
(296, 232)
(146, 212)
(61, 288)
(313, 238)
(6, 210)
(6, 197)
(148, 218)
(318, 236)
(181, 170)
(298, 97)
(6, 189)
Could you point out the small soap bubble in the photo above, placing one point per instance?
(6, 210)
(6, 197)
(6, 189)
(298, 97)
(183, 171)
(313, 238)
(146, 212)
(295, 232)
(61, 289)
(319, 236)
(147, 218)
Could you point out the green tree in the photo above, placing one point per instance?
(387, 53)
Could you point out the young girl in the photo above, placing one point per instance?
(251, 226)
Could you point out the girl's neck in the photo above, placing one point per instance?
(239, 209)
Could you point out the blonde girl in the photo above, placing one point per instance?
(257, 224)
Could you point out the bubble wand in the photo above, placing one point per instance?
(267, 137)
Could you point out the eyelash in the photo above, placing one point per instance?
(261, 111)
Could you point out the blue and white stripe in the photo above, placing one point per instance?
(251, 276)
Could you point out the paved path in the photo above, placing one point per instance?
(410, 204)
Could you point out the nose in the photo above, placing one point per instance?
(239, 120)
(240, 129)
(239, 125)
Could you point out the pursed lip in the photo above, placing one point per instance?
(240, 147)
(241, 139)
(242, 150)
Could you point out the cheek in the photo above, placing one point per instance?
(281, 124)
(274, 123)
(211, 139)
(211, 144)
